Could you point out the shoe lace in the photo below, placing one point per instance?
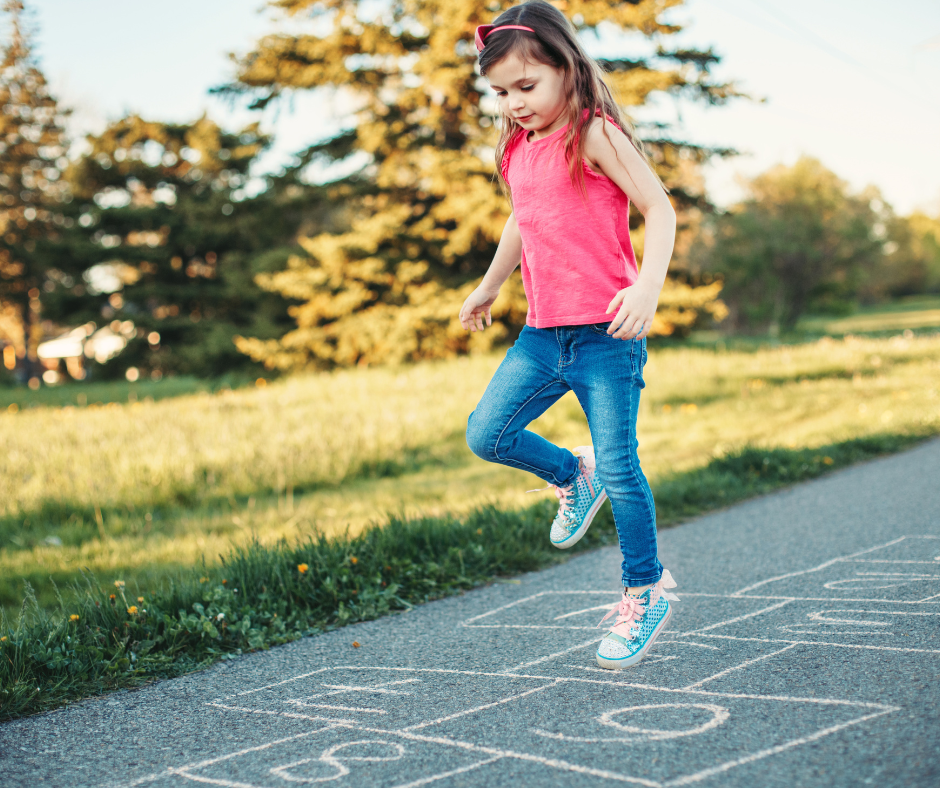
(630, 611)
(565, 496)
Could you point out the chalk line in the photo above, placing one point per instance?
(739, 667)
(451, 773)
(476, 709)
(724, 767)
(540, 660)
(736, 619)
(817, 568)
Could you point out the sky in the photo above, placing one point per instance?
(849, 82)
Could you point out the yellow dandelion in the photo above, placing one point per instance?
(111, 597)
(356, 644)
(203, 579)
(3, 638)
(224, 582)
(828, 460)
(479, 532)
(667, 408)
(73, 617)
(119, 584)
(132, 609)
(302, 568)
(353, 560)
(140, 599)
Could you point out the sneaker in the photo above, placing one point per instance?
(578, 502)
(640, 619)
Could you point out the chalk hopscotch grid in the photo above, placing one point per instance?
(492, 755)
(410, 733)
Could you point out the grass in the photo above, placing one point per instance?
(914, 313)
(95, 394)
(118, 635)
(303, 471)
(148, 489)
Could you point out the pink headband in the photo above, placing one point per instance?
(484, 30)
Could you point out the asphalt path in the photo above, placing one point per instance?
(804, 652)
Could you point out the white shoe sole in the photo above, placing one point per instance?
(629, 662)
(588, 519)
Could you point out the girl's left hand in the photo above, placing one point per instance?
(634, 319)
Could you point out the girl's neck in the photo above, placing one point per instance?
(559, 123)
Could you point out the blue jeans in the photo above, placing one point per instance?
(606, 375)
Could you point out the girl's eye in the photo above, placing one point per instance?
(528, 87)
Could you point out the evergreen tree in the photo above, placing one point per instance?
(424, 214)
(800, 241)
(32, 153)
(169, 240)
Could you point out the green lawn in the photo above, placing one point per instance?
(915, 313)
(147, 489)
(316, 501)
(93, 393)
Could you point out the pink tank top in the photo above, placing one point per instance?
(576, 252)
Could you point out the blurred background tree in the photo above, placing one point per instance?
(800, 241)
(911, 263)
(160, 233)
(32, 154)
(170, 241)
(424, 215)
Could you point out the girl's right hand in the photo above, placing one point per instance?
(475, 308)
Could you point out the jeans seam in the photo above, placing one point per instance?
(650, 505)
(530, 468)
(650, 509)
(561, 352)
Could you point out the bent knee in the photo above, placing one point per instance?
(481, 438)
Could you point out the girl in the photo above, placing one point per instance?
(571, 166)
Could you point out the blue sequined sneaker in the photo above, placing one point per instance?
(640, 619)
(578, 502)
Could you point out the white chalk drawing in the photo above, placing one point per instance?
(338, 763)
(380, 725)
(877, 581)
(346, 689)
(636, 733)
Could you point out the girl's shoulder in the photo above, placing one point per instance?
(510, 148)
(598, 122)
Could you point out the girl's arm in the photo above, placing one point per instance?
(508, 256)
(614, 156)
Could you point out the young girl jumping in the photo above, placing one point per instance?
(571, 166)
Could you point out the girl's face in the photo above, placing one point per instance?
(532, 94)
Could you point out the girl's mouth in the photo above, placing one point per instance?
(525, 119)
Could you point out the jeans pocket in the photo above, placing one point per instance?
(600, 328)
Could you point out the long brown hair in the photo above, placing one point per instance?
(555, 43)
